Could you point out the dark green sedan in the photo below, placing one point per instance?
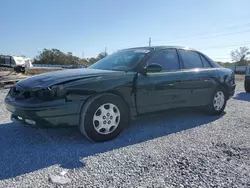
(102, 98)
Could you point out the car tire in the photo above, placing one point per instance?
(18, 69)
(247, 86)
(218, 101)
(103, 117)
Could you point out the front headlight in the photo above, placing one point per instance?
(50, 93)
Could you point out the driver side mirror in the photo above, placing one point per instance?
(152, 68)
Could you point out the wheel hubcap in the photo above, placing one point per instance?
(106, 118)
(219, 100)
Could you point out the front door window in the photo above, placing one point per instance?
(168, 59)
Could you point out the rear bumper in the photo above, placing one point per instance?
(57, 114)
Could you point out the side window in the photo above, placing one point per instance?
(13, 61)
(168, 59)
(2, 60)
(191, 59)
(206, 64)
(7, 60)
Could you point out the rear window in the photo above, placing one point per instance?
(191, 59)
(206, 64)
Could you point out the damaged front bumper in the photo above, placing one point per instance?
(33, 112)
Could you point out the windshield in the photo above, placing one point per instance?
(121, 60)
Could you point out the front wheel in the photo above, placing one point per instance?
(218, 101)
(103, 117)
(247, 86)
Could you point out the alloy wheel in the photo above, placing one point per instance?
(219, 100)
(106, 118)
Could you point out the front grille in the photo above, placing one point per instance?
(44, 94)
(27, 94)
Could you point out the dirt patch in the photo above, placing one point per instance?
(8, 78)
(6, 69)
(239, 77)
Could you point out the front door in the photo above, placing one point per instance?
(162, 90)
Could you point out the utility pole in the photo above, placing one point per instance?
(105, 50)
(149, 41)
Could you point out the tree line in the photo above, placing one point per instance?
(57, 57)
(240, 57)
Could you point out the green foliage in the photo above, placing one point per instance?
(239, 58)
(102, 55)
(92, 60)
(219, 62)
(57, 57)
(227, 64)
(224, 64)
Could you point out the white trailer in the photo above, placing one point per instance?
(17, 62)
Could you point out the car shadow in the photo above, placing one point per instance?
(243, 96)
(25, 149)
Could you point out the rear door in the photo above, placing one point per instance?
(198, 74)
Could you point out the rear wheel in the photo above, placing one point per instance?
(218, 101)
(247, 86)
(103, 117)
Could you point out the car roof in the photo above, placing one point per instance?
(160, 47)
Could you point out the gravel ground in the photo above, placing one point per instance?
(181, 148)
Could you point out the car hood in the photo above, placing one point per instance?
(56, 77)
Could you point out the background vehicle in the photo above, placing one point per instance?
(16, 62)
(247, 79)
(102, 98)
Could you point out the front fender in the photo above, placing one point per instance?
(81, 90)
